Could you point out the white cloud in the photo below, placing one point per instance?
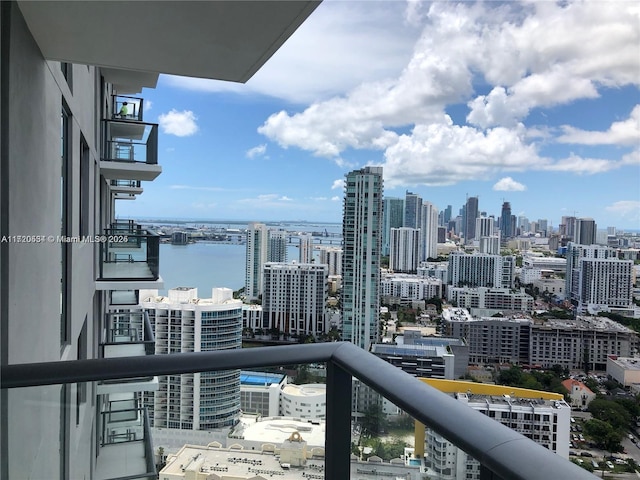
(444, 154)
(524, 54)
(580, 165)
(268, 199)
(257, 151)
(626, 209)
(338, 184)
(626, 132)
(508, 184)
(180, 124)
(336, 199)
(148, 105)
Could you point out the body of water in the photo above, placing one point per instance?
(206, 265)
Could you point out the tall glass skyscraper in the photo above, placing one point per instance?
(471, 211)
(362, 236)
(506, 225)
(412, 210)
(392, 217)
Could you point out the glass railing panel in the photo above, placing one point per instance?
(126, 183)
(129, 256)
(75, 438)
(131, 142)
(127, 108)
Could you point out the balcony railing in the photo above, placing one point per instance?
(129, 150)
(133, 142)
(128, 334)
(503, 453)
(129, 255)
(127, 108)
(125, 447)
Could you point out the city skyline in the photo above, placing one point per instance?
(428, 92)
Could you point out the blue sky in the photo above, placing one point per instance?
(536, 103)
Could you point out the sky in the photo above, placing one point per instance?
(534, 103)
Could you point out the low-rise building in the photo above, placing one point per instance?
(492, 299)
(625, 370)
(580, 394)
(541, 416)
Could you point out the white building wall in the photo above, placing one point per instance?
(404, 249)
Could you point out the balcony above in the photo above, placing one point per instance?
(127, 108)
(129, 150)
(224, 40)
(125, 187)
(129, 260)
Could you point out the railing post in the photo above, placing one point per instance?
(486, 474)
(338, 430)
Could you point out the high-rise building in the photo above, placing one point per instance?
(295, 295)
(392, 217)
(428, 231)
(277, 246)
(405, 250)
(447, 215)
(361, 231)
(412, 210)
(569, 227)
(182, 322)
(256, 257)
(543, 227)
(332, 257)
(523, 224)
(585, 233)
(490, 245)
(305, 248)
(481, 270)
(596, 278)
(506, 227)
(471, 213)
(484, 227)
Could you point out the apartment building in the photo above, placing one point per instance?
(70, 154)
(404, 253)
(584, 343)
(295, 297)
(494, 299)
(361, 231)
(481, 270)
(183, 322)
(542, 417)
(596, 278)
(405, 288)
(332, 257)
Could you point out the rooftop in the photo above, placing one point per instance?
(628, 363)
(277, 429)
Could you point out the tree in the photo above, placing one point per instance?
(374, 420)
(603, 434)
(610, 412)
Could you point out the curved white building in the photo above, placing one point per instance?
(304, 401)
(185, 323)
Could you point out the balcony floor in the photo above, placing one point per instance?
(126, 270)
(121, 460)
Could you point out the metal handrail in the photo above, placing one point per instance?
(502, 452)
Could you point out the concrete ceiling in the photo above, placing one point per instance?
(218, 39)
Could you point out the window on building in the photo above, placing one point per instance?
(65, 223)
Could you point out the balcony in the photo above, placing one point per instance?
(129, 150)
(125, 189)
(124, 107)
(503, 454)
(127, 334)
(125, 444)
(129, 259)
